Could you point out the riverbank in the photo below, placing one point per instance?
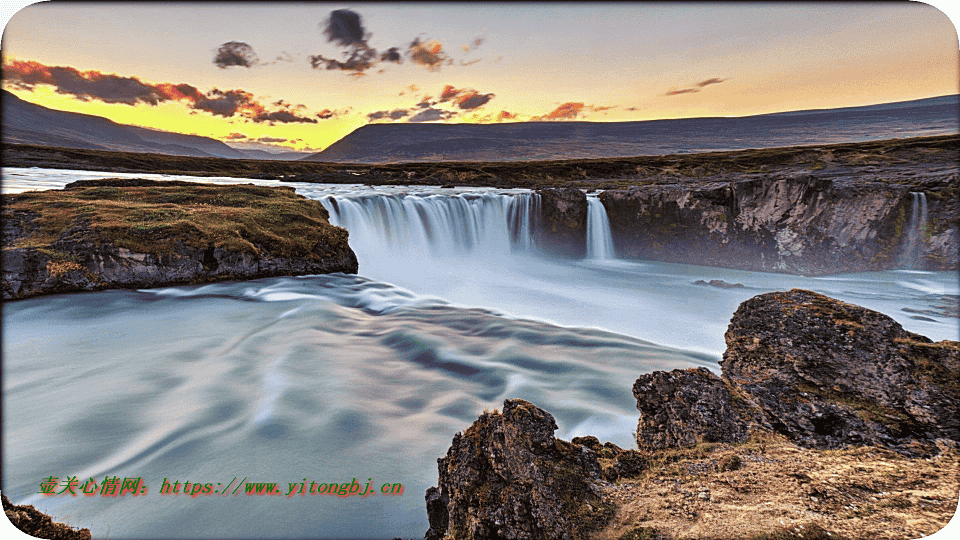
(129, 233)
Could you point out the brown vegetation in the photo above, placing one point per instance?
(605, 173)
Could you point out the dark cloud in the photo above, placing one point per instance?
(448, 93)
(695, 88)
(598, 108)
(431, 115)
(428, 54)
(395, 114)
(345, 28)
(284, 117)
(473, 100)
(235, 53)
(465, 98)
(131, 91)
(235, 136)
(229, 103)
(271, 140)
(392, 55)
(326, 114)
(358, 61)
(86, 85)
(504, 115)
(707, 82)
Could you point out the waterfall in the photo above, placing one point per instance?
(417, 227)
(599, 239)
(912, 254)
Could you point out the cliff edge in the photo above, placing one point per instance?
(118, 233)
(829, 421)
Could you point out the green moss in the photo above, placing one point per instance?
(156, 218)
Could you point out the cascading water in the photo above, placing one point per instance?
(913, 253)
(599, 239)
(466, 225)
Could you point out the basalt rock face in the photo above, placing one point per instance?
(97, 245)
(824, 373)
(827, 374)
(562, 229)
(683, 408)
(507, 477)
(800, 223)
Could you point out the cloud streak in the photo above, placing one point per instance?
(111, 88)
(695, 88)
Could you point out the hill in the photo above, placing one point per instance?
(29, 123)
(406, 142)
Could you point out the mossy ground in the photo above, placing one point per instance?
(155, 218)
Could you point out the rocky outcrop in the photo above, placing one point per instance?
(793, 223)
(800, 369)
(821, 372)
(135, 234)
(35, 523)
(683, 408)
(508, 477)
(562, 228)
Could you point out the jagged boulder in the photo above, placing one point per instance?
(119, 233)
(507, 477)
(824, 373)
(682, 408)
(562, 229)
(827, 373)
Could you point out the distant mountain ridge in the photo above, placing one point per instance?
(408, 142)
(29, 123)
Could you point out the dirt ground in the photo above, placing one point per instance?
(773, 489)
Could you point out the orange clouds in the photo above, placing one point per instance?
(111, 88)
(567, 111)
(428, 54)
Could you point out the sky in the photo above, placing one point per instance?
(300, 76)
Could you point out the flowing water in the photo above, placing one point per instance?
(335, 377)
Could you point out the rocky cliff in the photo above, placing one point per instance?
(821, 407)
(804, 224)
(115, 233)
(562, 224)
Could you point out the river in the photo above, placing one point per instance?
(333, 378)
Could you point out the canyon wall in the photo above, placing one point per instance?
(792, 224)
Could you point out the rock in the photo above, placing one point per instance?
(562, 229)
(683, 408)
(792, 223)
(118, 233)
(828, 374)
(719, 283)
(35, 523)
(823, 373)
(507, 477)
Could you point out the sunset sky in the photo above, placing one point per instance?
(303, 75)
